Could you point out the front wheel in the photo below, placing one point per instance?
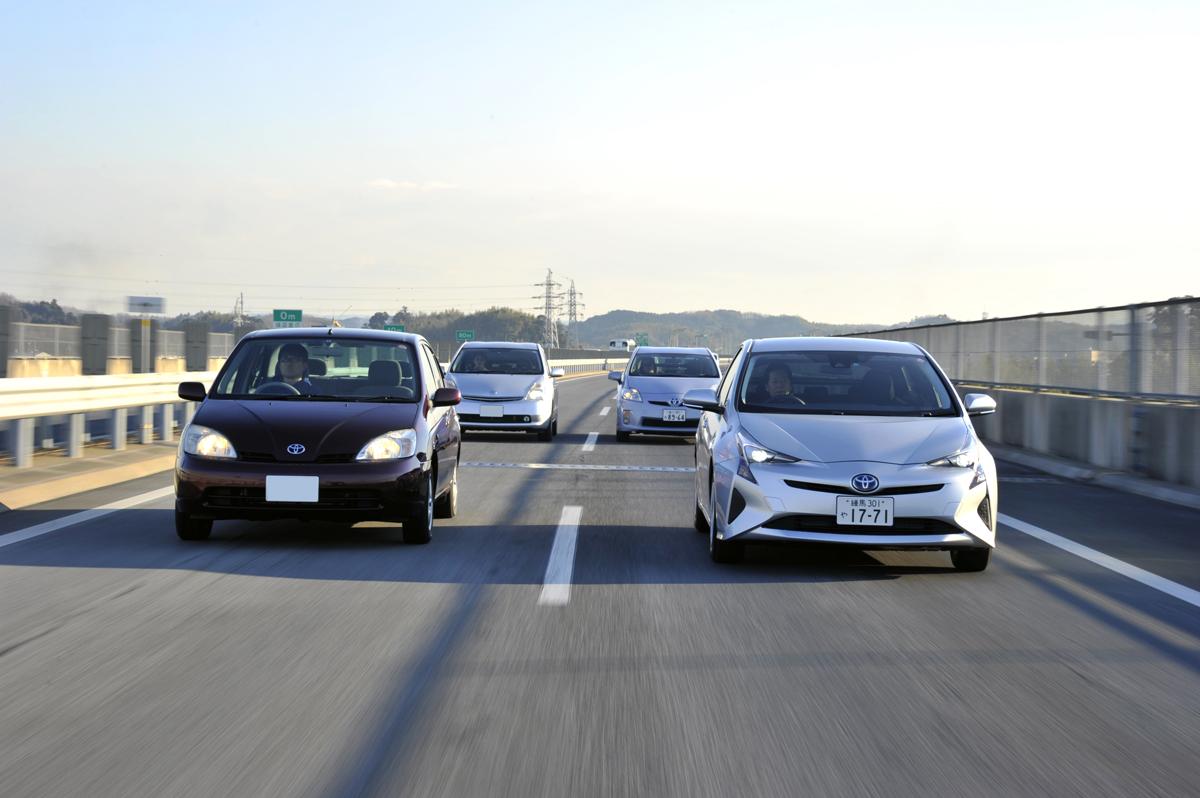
(188, 528)
(700, 522)
(418, 525)
(970, 560)
(622, 436)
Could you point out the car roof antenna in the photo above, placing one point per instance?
(334, 322)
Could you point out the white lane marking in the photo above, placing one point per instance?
(590, 443)
(1105, 561)
(582, 467)
(604, 410)
(556, 587)
(47, 527)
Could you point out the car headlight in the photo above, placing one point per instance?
(204, 442)
(631, 395)
(751, 451)
(395, 445)
(964, 459)
(535, 392)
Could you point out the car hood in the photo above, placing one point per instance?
(262, 427)
(667, 387)
(499, 386)
(875, 439)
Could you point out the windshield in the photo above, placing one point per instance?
(673, 365)
(320, 368)
(497, 360)
(843, 383)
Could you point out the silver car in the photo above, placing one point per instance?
(841, 440)
(650, 395)
(506, 386)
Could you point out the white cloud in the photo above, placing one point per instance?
(386, 184)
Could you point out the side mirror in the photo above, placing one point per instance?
(979, 404)
(192, 391)
(615, 375)
(557, 372)
(446, 397)
(703, 399)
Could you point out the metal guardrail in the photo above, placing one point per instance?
(1149, 350)
(24, 400)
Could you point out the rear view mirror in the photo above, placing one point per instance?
(703, 399)
(557, 372)
(192, 391)
(979, 404)
(446, 397)
(614, 375)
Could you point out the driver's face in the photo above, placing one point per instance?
(291, 367)
(479, 363)
(778, 384)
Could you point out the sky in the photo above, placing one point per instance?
(842, 161)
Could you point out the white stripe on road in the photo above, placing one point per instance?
(590, 443)
(582, 467)
(604, 410)
(79, 518)
(1105, 561)
(556, 587)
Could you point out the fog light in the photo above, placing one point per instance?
(626, 417)
(526, 419)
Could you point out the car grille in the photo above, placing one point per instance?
(664, 403)
(828, 523)
(267, 457)
(844, 490)
(256, 498)
(658, 422)
(494, 398)
(494, 419)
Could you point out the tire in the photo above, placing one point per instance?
(546, 434)
(722, 551)
(554, 426)
(701, 523)
(418, 525)
(970, 560)
(622, 437)
(188, 528)
(446, 505)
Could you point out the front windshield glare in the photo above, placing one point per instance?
(497, 360)
(843, 383)
(320, 368)
(673, 365)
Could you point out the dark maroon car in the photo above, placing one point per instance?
(326, 424)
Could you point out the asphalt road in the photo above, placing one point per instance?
(303, 659)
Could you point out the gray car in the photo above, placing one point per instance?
(839, 440)
(650, 395)
(506, 386)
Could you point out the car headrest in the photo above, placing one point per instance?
(383, 372)
(316, 368)
(406, 370)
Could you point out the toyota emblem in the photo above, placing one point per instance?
(298, 448)
(865, 483)
(676, 401)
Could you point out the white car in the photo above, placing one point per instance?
(506, 386)
(843, 440)
(652, 387)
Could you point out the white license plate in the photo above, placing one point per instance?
(293, 489)
(491, 411)
(865, 511)
(674, 415)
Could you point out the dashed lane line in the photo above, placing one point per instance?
(590, 444)
(47, 527)
(604, 410)
(582, 467)
(1121, 567)
(556, 587)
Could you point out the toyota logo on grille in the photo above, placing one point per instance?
(296, 448)
(865, 483)
(676, 401)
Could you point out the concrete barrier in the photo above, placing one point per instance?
(1153, 439)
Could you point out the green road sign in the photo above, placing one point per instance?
(287, 318)
(464, 335)
(642, 339)
(394, 327)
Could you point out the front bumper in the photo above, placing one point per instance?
(646, 417)
(518, 415)
(348, 492)
(934, 508)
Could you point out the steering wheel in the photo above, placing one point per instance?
(787, 398)
(276, 389)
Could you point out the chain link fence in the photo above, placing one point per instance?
(1150, 350)
(220, 344)
(43, 340)
(118, 342)
(171, 343)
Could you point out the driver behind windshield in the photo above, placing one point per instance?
(779, 385)
(292, 368)
(478, 363)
